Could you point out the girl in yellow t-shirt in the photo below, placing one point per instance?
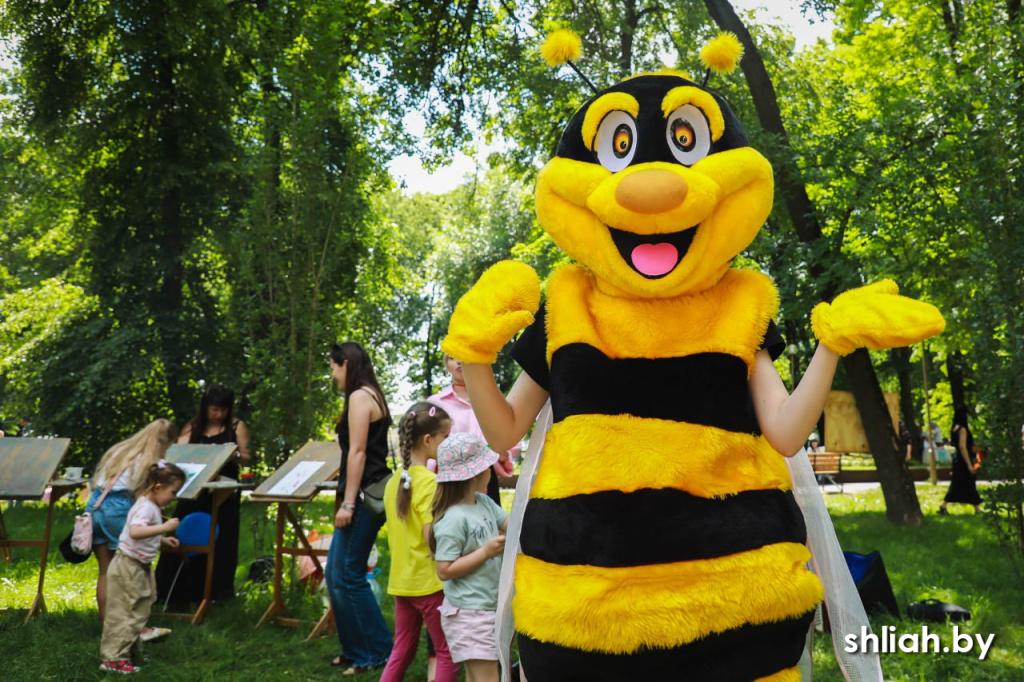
(413, 580)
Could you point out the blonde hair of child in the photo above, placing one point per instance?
(151, 443)
(422, 419)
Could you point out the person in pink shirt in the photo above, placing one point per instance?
(455, 401)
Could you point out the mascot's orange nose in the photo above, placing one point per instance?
(651, 191)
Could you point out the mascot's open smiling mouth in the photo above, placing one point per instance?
(655, 255)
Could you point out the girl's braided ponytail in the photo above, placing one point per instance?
(422, 419)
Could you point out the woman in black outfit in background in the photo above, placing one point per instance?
(963, 487)
(214, 424)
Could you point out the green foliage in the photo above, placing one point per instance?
(303, 225)
(203, 176)
(197, 193)
(911, 132)
(445, 244)
(123, 111)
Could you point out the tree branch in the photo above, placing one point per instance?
(798, 203)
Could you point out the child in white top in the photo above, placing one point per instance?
(468, 539)
(131, 588)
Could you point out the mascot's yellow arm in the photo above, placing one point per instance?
(876, 317)
(501, 303)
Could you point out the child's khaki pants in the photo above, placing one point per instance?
(131, 591)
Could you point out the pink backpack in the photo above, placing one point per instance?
(81, 536)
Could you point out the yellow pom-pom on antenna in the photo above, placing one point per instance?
(722, 53)
(560, 47)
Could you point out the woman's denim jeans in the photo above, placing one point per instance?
(364, 635)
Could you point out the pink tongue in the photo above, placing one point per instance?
(655, 259)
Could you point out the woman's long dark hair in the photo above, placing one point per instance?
(218, 396)
(959, 419)
(358, 373)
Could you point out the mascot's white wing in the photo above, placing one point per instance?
(505, 625)
(845, 609)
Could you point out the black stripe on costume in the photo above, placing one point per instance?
(708, 388)
(616, 529)
(739, 655)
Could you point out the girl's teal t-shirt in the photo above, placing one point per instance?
(463, 529)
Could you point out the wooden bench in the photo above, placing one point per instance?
(828, 466)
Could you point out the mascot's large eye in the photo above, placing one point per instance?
(689, 137)
(616, 141)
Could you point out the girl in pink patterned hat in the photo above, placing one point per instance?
(468, 539)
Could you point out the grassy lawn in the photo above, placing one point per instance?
(951, 558)
(64, 644)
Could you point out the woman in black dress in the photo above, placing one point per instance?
(214, 424)
(962, 487)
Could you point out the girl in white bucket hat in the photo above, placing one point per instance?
(468, 540)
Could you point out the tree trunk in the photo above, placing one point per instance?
(626, 39)
(901, 358)
(901, 504)
(172, 248)
(901, 501)
(955, 374)
(794, 192)
(430, 352)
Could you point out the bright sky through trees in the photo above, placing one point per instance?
(409, 171)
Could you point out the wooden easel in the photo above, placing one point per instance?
(212, 458)
(27, 466)
(277, 490)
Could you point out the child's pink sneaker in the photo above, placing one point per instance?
(123, 667)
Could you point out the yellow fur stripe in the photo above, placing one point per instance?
(619, 610)
(590, 453)
(733, 316)
(787, 675)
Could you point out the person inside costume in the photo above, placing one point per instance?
(362, 434)
(685, 550)
(181, 580)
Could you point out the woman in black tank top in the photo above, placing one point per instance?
(362, 436)
(214, 424)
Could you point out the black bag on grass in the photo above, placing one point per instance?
(937, 611)
(872, 582)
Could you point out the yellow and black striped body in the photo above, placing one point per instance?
(662, 540)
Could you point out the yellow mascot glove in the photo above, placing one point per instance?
(874, 316)
(501, 303)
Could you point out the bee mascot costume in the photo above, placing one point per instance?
(661, 540)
